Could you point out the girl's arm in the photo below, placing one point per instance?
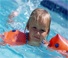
(45, 42)
(2, 38)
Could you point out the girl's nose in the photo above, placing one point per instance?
(38, 33)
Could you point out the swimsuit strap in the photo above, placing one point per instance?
(27, 36)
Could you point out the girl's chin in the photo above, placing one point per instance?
(34, 43)
(36, 39)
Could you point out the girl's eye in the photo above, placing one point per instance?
(34, 28)
(42, 30)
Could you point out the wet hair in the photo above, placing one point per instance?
(38, 14)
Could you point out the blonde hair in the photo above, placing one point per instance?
(38, 14)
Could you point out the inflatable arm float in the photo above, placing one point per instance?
(14, 37)
(58, 43)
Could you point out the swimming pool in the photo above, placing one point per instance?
(59, 25)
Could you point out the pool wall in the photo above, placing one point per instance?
(56, 5)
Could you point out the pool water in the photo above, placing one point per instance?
(59, 25)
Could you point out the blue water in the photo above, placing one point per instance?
(59, 25)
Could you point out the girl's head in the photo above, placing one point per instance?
(38, 26)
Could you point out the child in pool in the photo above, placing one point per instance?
(38, 26)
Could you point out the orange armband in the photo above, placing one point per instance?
(58, 43)
(14, 37)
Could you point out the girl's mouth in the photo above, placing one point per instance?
(37, 38)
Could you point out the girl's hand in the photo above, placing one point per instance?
(12, 15)
(64, 53)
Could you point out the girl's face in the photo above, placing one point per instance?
(38, 30)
